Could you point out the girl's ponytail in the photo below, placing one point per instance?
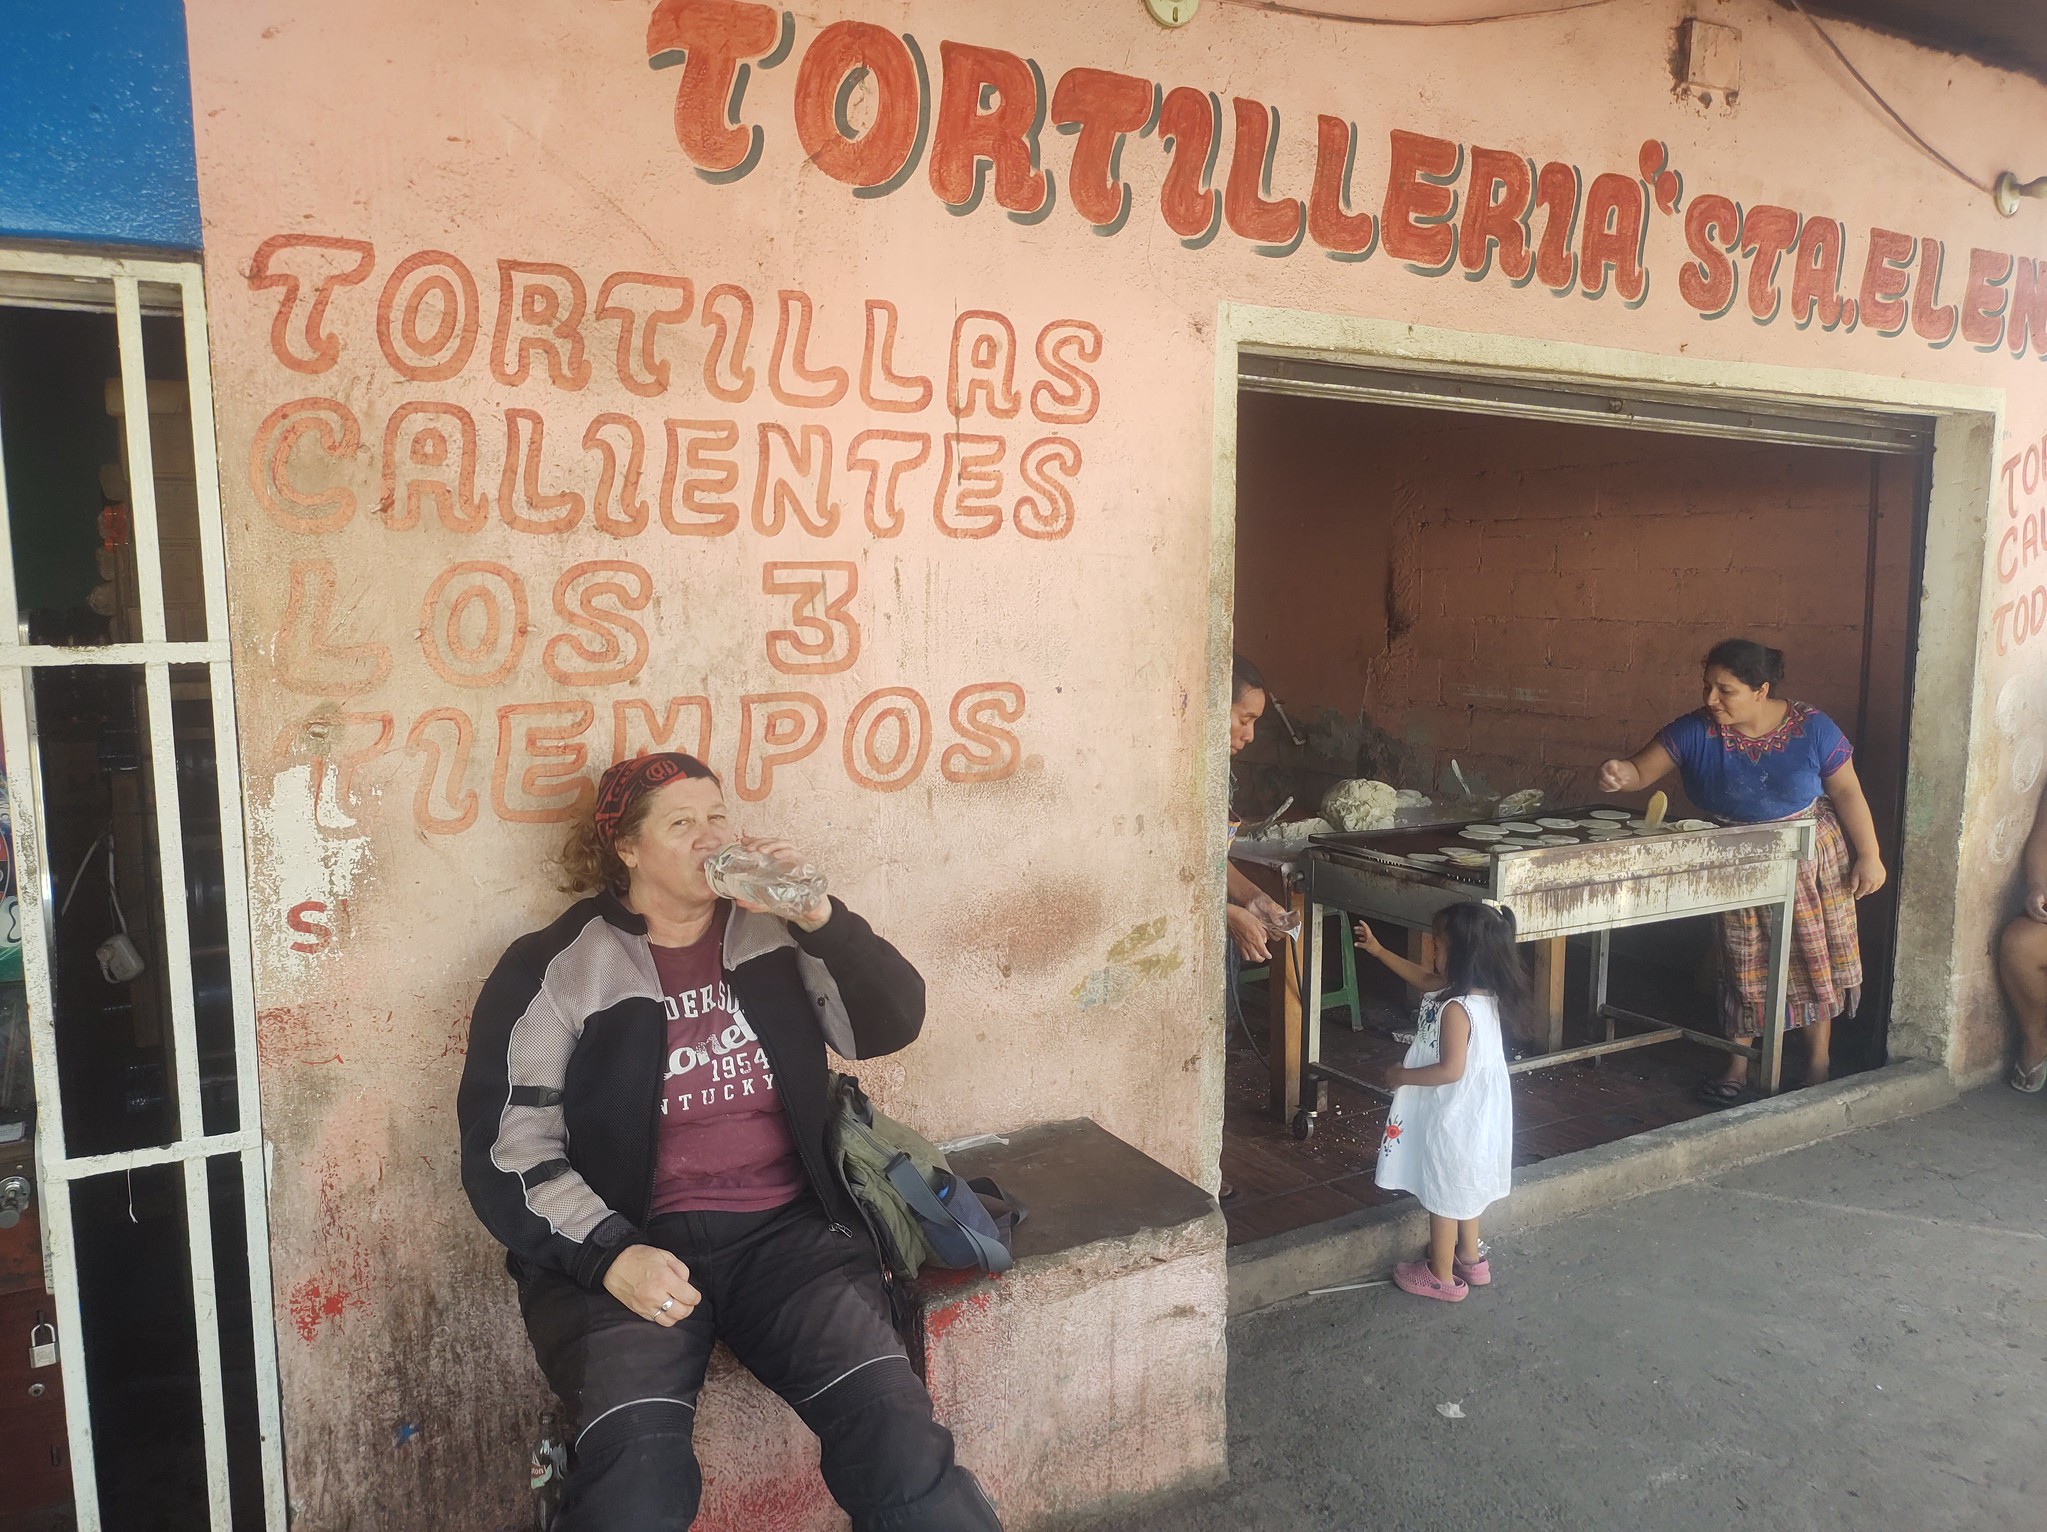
(1480, 953)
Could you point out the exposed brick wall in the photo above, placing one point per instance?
(1549, 590)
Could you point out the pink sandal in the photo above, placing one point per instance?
(1416, 1277)
(1478, 1273)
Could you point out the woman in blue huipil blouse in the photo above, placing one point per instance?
(1749, 757)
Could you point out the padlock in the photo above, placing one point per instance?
(42, 1353)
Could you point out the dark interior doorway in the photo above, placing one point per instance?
(1527, 597)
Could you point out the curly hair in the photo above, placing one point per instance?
(588, 862)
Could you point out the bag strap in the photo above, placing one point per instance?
(1003, 1208)
(911, 1186)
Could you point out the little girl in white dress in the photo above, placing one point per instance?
(1450, 1130)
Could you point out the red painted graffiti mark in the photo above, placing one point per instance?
(762, 1494)
(312, 1304)
(940, 1319)
(308, 920)
(289, 1037)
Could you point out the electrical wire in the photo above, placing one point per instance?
(1280, 8)
(77, 877)
(1890, 111)
(1235, 1006)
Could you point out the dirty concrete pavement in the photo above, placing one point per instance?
(1849, 1336)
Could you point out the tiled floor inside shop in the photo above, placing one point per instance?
(1280, 1183)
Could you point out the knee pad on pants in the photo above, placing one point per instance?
(887, 1462)
(956, 1504)
(635, 1467)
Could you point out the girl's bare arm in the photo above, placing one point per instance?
(1449, 1066)
(1414, 974)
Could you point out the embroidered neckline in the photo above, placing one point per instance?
(1754, 748)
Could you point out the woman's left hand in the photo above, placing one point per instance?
(811, 918)
(1867, 876)
(1269, 910)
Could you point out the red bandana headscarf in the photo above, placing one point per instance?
(629, 781)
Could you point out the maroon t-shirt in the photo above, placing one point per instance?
(725, 1144)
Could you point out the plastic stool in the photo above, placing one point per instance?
(1346, 993)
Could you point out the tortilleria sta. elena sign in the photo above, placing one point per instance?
(1446, 206)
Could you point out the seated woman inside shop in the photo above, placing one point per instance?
(1751, 757)
(642, 1113)
(1252, 913)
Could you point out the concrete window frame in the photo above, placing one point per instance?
(1968, 424)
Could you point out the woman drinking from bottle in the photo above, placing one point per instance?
(1750, 757)
(643, 1112)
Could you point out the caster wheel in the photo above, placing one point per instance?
(1304, 1125)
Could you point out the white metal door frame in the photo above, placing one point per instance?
(40, 273)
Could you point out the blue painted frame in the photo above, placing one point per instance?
(96, 114)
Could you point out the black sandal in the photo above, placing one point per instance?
(1719, 1092)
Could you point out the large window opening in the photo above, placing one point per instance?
(1481, 593)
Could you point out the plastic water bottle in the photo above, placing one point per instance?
(785, 886)
(550, 1466)
(1285, 925)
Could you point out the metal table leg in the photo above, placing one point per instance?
(1549, 993)
(1421, 951)
(1602, 962)
(1770, 1058)
(1308, 980)
(1283, 1033)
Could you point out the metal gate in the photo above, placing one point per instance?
(174, 661)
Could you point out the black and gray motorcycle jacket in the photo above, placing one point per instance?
(559, 1105)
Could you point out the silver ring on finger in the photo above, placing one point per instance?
(666, 1305)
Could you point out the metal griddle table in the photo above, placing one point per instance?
(1592, 888)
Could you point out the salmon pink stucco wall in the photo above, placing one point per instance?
(865, 437)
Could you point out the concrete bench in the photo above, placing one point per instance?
(1088, 1377)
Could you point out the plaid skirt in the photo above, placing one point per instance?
(1826, 951)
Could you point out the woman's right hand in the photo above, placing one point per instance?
(1248, 932)
(1619, 777)
(653, 1284)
